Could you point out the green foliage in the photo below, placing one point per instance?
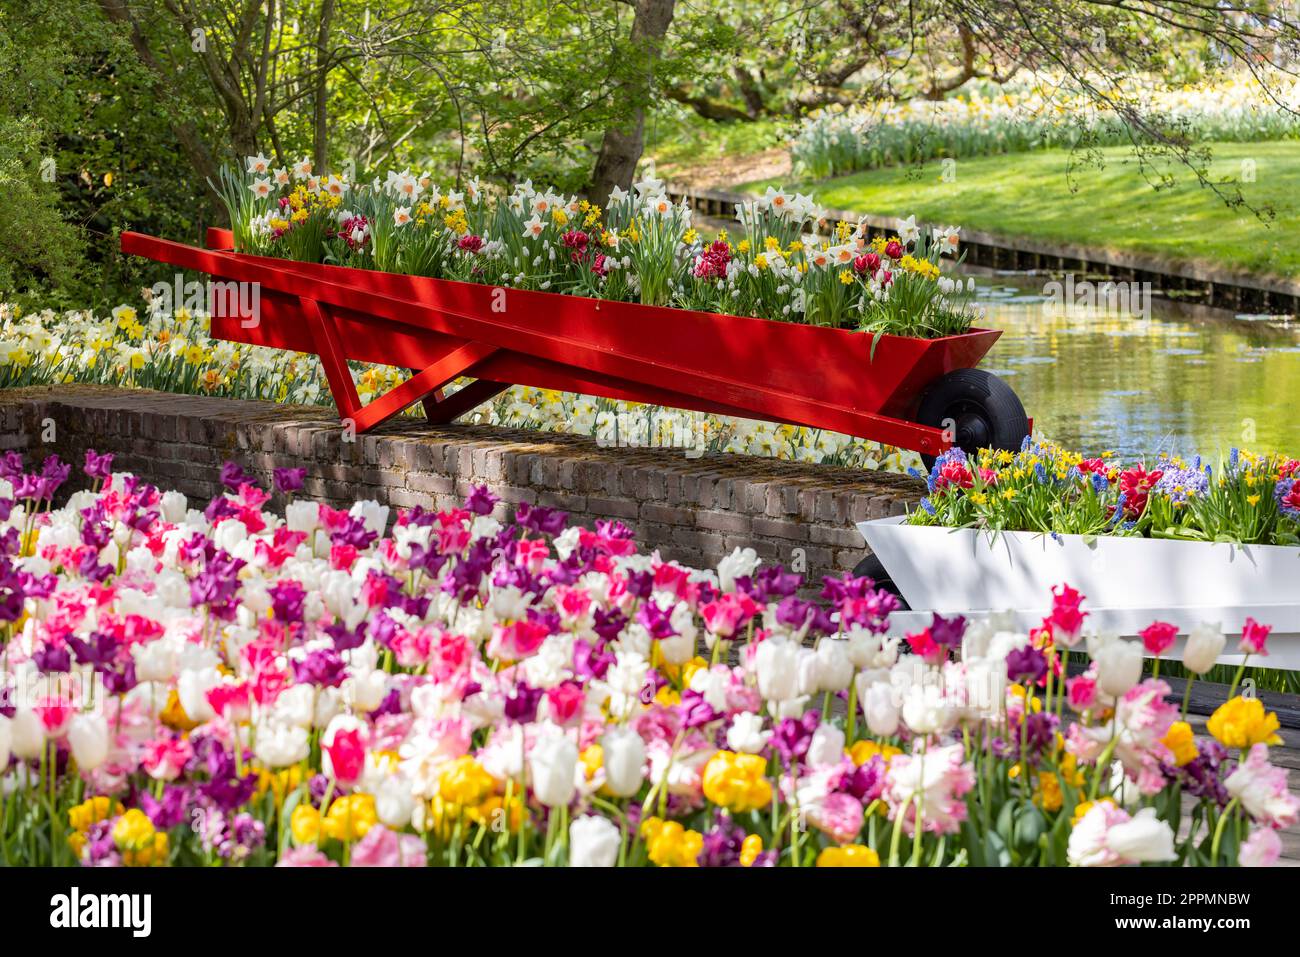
(34, 238)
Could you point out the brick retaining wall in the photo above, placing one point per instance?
(692, 510)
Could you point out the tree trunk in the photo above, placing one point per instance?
(320, 122)
(622, 144)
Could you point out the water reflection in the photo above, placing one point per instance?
(1094, 379)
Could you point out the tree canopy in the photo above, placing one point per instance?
(121, 111)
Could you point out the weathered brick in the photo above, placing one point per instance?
(837, 537)
(731, 523)
(779, 528)
(693, 538)
(624, 508)
(667, 514)
(428, 484)
(694, 510)
(573, 504)
(768, 551)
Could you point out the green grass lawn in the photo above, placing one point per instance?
(1031, 195)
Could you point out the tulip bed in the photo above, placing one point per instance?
(242, 687)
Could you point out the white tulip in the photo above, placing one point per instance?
(156, 660)
(1204, 645)
(777, 664)
(366, 689)
(1098, 640)
(746, 733)
(280, 745)
(834, 666)
(329, 703)
(879, 707)
(88, 738)
(924, 709)
(27, 734)
(372, 513)
(302, 517)
(192, 689)
(296, 705)
(623, 755)
(827, 747)
(1119, 667)
(394, 802)
(867, 650)
(739, 564)
(1142, 839)
(551, 767)
(174, 507)
(809, 678)
(593, 842)
(677, 649)
(230, 534)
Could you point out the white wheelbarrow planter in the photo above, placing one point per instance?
(1128, 582)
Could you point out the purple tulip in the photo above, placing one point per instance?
(481, 501)
(288, 481)
(98, 466)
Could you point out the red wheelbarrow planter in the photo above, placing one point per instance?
(919, 394)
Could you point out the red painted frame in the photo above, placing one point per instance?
(754, 368)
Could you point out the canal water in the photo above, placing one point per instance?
(1142, 378)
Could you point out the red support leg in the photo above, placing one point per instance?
(453, 406)
(419, 386)
(332, 360)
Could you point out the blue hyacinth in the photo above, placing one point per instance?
(1181, 484)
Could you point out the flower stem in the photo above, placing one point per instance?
(852, 726)
(1218, 831)
(1236, 679)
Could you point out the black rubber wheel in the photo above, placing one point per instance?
(871, 567)
(984, 411)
